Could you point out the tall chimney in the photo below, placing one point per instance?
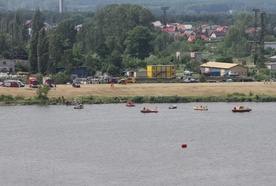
(61, 10)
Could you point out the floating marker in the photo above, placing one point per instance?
(184, 145)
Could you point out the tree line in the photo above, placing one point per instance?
(118, 37)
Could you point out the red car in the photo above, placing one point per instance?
(76, 85)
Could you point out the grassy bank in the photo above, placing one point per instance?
(236, 97)
(144, 93)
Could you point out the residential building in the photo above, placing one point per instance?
(7, 65)
(221, 69)
(216, 36)
(197, 56)
(270, 44)
(272, 63)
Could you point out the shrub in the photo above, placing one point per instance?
(42, 92)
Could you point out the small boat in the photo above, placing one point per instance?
(203, 108)
(173, 107)
(80, 106)
(241, 109)
(130, 104)
(146, 110)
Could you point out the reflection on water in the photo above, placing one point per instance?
(118, 145)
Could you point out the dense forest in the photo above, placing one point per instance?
(175, 6)
(118, 37)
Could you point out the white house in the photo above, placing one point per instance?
(7, 65)
(270, 44)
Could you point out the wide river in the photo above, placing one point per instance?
(114, 145)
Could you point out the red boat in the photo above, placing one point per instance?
(130, 104)
(241, 109)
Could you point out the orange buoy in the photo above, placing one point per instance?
(184, 145)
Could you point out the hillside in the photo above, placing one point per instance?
(175, 6)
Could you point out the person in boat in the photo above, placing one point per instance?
(80, 105)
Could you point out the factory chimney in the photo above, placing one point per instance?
(61, 9)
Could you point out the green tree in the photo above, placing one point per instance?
(67, 33)
(33, 53)
(235, 44)
(42, 51)
(61, 78)
(138, 42)
(37, 24)
(54, 52)
(4, 46)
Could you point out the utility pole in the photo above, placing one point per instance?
(262, 64)
(12, 47)
(165, 8)
(61, 6)
(256, 10)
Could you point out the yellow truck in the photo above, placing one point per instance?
(126, 80)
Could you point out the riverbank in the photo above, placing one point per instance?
(157, 92)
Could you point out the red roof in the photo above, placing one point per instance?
(168, 29)
(181, 27)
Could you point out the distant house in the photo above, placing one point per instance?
(271, 66)
(197, 56)
(216, 36)
(251, 30)
(7, 65)
(78, 27)
(220, 69)
(272, 59)
(222, 28)
(181, 28)
(171, 28)
(188, 27)
(194, 37)
(188, 33)
(270, 44)
(157, 24)
(272, 63)
(29, 25)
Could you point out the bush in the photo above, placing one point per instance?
(61, 78)
(42, 92)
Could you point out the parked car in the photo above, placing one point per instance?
(21, 84)
(190, 80)
(188, 73)
(76, 84)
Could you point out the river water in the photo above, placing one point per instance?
(110, 145)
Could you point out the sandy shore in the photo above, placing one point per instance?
(156, 89)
